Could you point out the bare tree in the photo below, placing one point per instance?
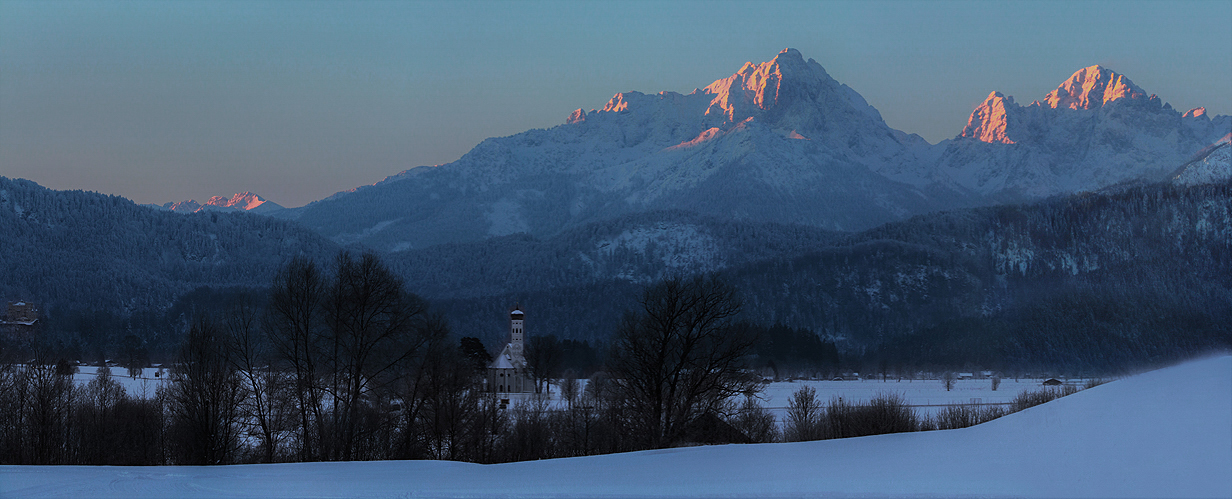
(570, 389)
(295, 327)
(544, 356)
(205, 398)
(755, 421)
(265, 408)
(804, 421)
(48, 401)
(948, 380)
(446, 399)
(680, 357)
(374, 323)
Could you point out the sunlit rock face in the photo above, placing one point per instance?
(1094, 130)
(990, 122)
(1092, 88)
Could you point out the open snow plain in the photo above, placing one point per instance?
(926, 396)
(1166, 433)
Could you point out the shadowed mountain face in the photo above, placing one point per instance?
(775, 142)
(780, 142)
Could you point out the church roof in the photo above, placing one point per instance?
(506, 360)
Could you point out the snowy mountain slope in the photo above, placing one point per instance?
(1096, 129)
(245, 201)
(1165, 433)
(1212, 164)
(779, 141)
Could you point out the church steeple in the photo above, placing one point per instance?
(516, 337)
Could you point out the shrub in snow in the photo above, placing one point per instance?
(755, 421)
(885, 413)
(804, 414)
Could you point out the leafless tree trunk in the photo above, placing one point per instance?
(251, 356)
(206, 396)
(680, 357)
(296, 331)
(376, 327)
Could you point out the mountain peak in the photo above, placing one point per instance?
(990, 120)
(245, 201)
(755, 88)
(1092, 87)
(1197, 112)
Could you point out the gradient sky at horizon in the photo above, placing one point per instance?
(166, 101)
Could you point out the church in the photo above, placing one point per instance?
(507, 373)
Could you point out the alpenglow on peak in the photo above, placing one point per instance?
(1092, 87)
(760, 87)
(1000, 120)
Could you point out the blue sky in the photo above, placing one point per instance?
(165, 101)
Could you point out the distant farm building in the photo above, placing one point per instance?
(1052, 382)
(21, 316)
(508, 373)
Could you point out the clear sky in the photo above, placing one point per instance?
(170, 100)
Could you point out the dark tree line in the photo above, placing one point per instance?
(342, 363)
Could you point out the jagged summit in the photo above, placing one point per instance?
(245, 201)
(784, 80)
(999, 120)
(990, 121)
(1197, 112)
(1094, 130)
(1092, 87)
(787, 92)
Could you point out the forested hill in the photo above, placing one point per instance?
(639, 248)
(1092, 280)
(91, 251)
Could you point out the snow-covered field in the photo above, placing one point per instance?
(1166, 433)
(928, 397)
(143, 386)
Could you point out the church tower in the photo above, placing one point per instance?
(515, 332)
(507, 373)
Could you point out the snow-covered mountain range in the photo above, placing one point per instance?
(245, 201)
(1095, 130)
(779, 141)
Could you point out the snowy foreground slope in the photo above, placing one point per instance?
(1166, 433)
